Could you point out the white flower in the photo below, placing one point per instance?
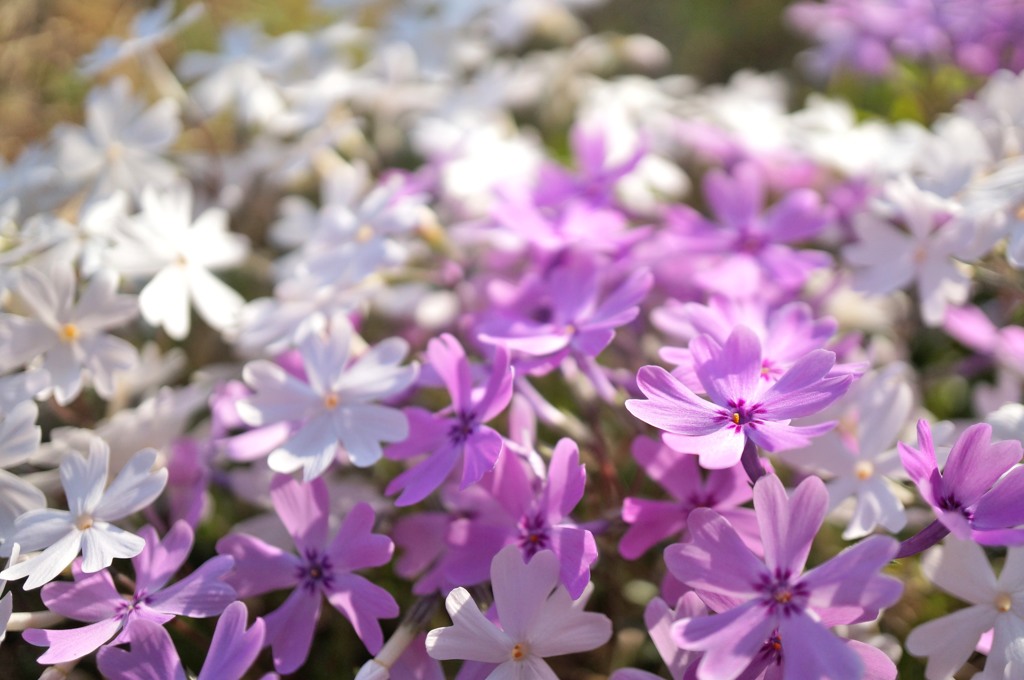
(122, 143)
(165, 241)
(888, 258)
(6, 603)
(86, 525)
(237, 75)
(149, 29)
(316, 290)
(860, 455)
(19, 439)
(333, 408)
(68, 336)
(538, 619)
(961, 568)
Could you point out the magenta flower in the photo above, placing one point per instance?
(458, 431)
(321, 569)
(93, 597)
(537, 618)
(651, 521)
(232, 650)
(968, 496)
(742, 406)
(769, 611)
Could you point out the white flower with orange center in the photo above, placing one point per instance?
(537, 619)
(66, 337)
(86, 525)
(333, 412)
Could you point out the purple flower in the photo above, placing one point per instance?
(232, 650)
(963, 495)
(321, 569)
(651, 521)
(742, 406)
(743, 231)
(564, 314)
(93, 597)
(770, 612)
(530, 514)
(787, 333)
(455, 432)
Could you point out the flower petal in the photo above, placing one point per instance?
(471, 636)
(789, 524)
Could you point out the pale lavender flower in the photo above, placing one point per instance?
(537, 618)
(232, 650)
(86, 524)
(770, 613)
(961, 568)
(93, 597)
(322, 568)
(335, 407)
(743, 406)
(68, 336)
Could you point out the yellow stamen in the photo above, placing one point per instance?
(1003, 602)
(69, 332)
(519, 651)
(864, 470)
(83, 522)
(364, 233)
(783, 597)
(331, 401)
(736, 418)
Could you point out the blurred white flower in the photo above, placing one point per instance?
(68, 336)
(179, 252)
(122, 143)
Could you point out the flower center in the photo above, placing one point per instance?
(1003, 602)
(331, 401)
(519, 651)
(70, 332)
(782, 597)
(463, 427)
(864, 470)
(316, 572)
(736, 417)
(533, 534)
(364, 233)
(84, 522)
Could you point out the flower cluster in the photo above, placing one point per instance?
(453, 302)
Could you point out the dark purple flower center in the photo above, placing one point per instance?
(951, 503)
(463, 427)
(782, 597)
(743, 415)
(533, 534)
(316, 571)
